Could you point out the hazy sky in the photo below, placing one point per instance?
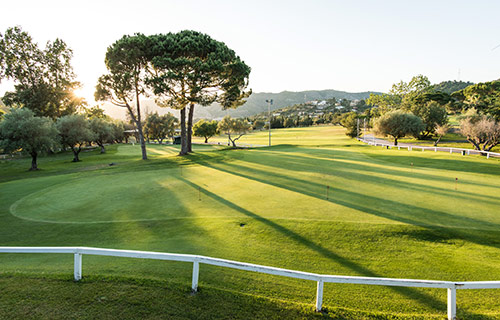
(290, 45)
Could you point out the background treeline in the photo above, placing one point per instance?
(422, 110)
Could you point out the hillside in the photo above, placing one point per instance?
(255, 104)
(451, 86)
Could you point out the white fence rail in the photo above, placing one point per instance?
(435, 149)
(78, 252)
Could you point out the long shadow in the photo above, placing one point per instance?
(395, 161)
(422, 297)
(341, 194)
(338, 168)
(447, 164)
(306, 166)
(419, 162)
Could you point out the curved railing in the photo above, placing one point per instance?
(78, 252)
(463, 151)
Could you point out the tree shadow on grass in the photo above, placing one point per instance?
(354, 200)
(341, 196)
(398, 166)
(423, 298)
(336, 166)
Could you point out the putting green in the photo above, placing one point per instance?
(187, 193)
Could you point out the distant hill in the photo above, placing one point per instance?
(451, 86)
(255, 104)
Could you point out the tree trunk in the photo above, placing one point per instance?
(76, 152)
(437, 141)
(184, 149)
(34, 166)
(190, 127)
(206, 139)
(488, 148)
(476, 146)
(100, 144)
(139, 125)
(395, 141)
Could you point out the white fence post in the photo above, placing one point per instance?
(319, 295)
(435, 149)
(451, 150)
(488, 155)
(452, 303)
(78, 267)
(196, 275)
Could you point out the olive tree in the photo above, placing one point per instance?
(160, 127)
(74, 131)
(205, 129)
(480, 130)
(102, 132)
(440, 131)
(399, 124)
(21, 131)
(235, 127)
(118, 130)
(432, 115)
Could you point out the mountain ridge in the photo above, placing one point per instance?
(255, 104)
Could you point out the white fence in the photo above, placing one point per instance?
(319, 278)
(435, 149)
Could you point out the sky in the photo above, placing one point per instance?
(290, 45)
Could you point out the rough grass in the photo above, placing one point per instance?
(383, 217)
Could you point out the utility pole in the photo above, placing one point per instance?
(269, 103)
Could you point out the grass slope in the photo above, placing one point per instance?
(383, 217)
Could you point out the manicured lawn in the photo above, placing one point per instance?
(383, 217)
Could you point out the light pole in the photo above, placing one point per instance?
(357, 129)
(269, 103)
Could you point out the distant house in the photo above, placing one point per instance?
(322, 103)
(339, 107)
(354, 102)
